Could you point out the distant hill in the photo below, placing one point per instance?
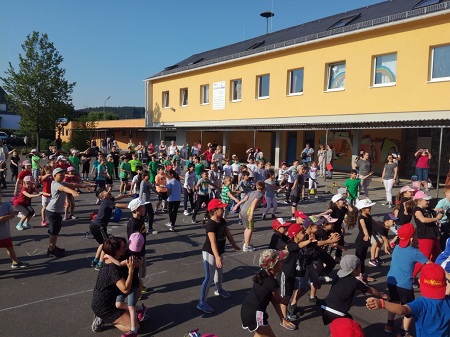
(123, 112)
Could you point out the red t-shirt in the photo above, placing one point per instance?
(47, 182)
(423, 162)
(71, 179)
(23, 174)
(208, 154)
(22, 199)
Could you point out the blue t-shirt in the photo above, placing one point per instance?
(402, 266)
(432, 317)
(444, 258)
(175, 190)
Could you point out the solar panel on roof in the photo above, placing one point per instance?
(424, 3)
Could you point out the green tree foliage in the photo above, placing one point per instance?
(101, 116)
(38, 91)
(123, 112)
(82, 132)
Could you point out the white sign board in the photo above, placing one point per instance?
(218, 95)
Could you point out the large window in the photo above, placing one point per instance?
(336, 76)
(263, 86)
(165, 99)
(184, 97)
(296, 81)
(385, 70)
(440, 63)
(204, 90)
(236, 90)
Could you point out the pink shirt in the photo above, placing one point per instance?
(423, 162)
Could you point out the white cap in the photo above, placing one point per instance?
(136, 203)
(337, 197)
(364, 203)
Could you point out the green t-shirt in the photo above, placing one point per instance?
(352, 187)
(199, 168)
(134, 163)
(110, 167)
(224, 195)
(153, 170)
(167, 162)
(35, 165)
(176, 159)
(126, 167)
(76, 163)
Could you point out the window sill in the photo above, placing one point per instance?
(262, 98)
(437, 80)
(334, 90)
(235, 101)
(393, 84)
(184, 106)
(295, 94)
(202, 104)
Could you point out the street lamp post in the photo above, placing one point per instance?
(104, 104)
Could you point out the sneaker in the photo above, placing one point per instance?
(64, 218)
(94, 263)
(263, 217)
(19, 227)
(389, 328)
(152, 231)
(248, 248)
(171, 228)
(186, 212)
(380, 262)
(193, 221)
(43, 223)
(223, 293)
(19, 264)
(313, 299)
(374, 263)
(325, 279)
(98, 266)
(142, 314)
(293, 218)
(274, 216)
(203, 306)
(26, 225)
(169, 224)
(291, 317)
(129, 334)
(97, 324)
(72, 217)
(240, 222)
(286, 201)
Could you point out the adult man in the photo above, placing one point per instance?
(3, 158)
(116, 156)
(307, 154)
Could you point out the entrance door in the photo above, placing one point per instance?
(291, 150)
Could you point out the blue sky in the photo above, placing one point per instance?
(111, 46)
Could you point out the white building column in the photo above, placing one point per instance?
(277, 148)
(356, 145)
(225, 143)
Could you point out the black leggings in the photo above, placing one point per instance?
(361, 252)
(149, 215)
(27, 211)
(173, 210)
(198, 204)
(187, 196)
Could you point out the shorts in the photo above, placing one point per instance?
(401, 295)
(252, 320)
(132, 297)
(376, 238)
(235, 180)
(45, 200)
(54, 222)
(287, 285)
(310, 276)
(245, 222)
(162, 196)
(6, 243)
(100, 183)
(295, 199)
(109, 181)
(99, 233)
(27, 211)
(124, 180)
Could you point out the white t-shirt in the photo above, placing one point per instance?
(236, 168)
(172, 150)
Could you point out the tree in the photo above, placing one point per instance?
(38, 91)
(102, 116)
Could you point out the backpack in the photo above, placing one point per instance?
(116, 215)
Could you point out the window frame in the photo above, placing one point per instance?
(203, 96)
(437, 79)
(374, 71)
(184, 97)
(328, 78)
(259, 80)
(233, 86)
(166, 99)
(290, 73)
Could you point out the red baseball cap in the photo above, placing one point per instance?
(279, 222)
(216, 203)
(405, 233)
(344, 327)
(300, 214)
(294, 229)
(432, 281)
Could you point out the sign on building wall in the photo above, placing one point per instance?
(218, 95)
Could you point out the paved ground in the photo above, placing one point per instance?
(52, 297)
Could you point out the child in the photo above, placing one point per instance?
(430, 312)
(203, 191)
(109, 171)
(134, 163)
(365, 227)
(23, 202)
(265, 289)
(271, 199)
(445, 221)
(95, 165)
(190, 179)
(399, 278)
(98, 226)
(297, 191)
(160, 184)
(227, 196)
(46, 181)
(216, 234)
(214, 177)
(174, 197)
(227, 168)
(312, 182)
(235, 169)
(36, 166)
(26, 164)
(145, 191)
(199, 167)
(85, 163)
(249, 204)
(153, 169)
(279, 238)
(14, 165)
(136, 182)
(339, 300)
(352, 185)
(6, 214)
(69, 207)
(245, 186)
(379, 237)
(101, 174)
(125, 171)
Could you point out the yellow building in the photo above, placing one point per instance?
(376, 77)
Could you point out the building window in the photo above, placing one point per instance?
(385, 70)
(138, 134)
(165, 99)
(130, 134)
(236, 90)
(67, 132)
(184, 97)
(424, 3)
(296, 81)
(440, 63)
(344, 21)
(124, 133)
(204, 89)
(336, 76)
(263, 86)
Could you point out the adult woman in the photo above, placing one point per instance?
(140, 151)
(365, 171)
(131, 146)
(172, 149)
(329, 161)
(321, 160)
(427, 228)
(111, 283)
(174, 191)
(423, 157)
(162, 148)
(388, 178)
(265, 289)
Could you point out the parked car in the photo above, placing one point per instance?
(4, 136)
